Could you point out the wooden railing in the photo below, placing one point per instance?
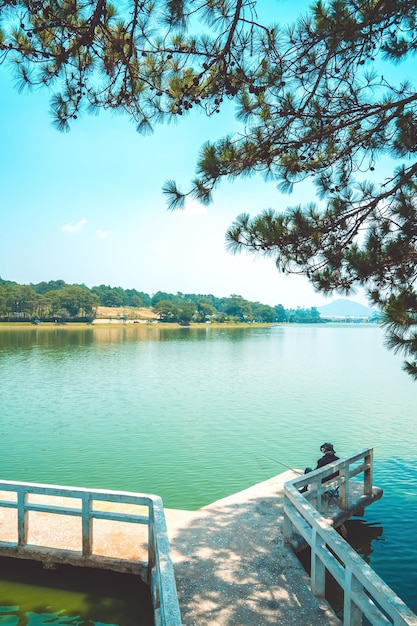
(157, 570)
(365, 593)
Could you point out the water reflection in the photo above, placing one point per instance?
(11, 339)
(362, 535)
(62, 336)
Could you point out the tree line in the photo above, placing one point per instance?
(60, 302)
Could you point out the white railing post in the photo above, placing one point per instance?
(151, 542)
(22, 517)
(318, 569)
(287, 528)
(344, 486)
(319, 499)
(352, 615)
(314, 486)
(87, 525)
(367, 475)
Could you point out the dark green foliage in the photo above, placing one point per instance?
(59, 301)
(303, 316)
(237, 308)
(400, 318)
(162, 296)
(186, 312)
(117, 296)
(51, 285)
(264, 313)
(24, 302)
(281, 314)
(135, 56)
(167, 311)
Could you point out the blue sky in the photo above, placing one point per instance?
(87, 206)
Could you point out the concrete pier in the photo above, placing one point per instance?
(233, 564)
(232, 568)
(230, 564)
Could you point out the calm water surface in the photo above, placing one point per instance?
(193, 415)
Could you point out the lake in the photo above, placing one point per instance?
(195, 414)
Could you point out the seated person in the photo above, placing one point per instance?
(329, 456)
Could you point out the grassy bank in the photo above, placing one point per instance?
(128, 317)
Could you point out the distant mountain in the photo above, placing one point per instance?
(345, 308)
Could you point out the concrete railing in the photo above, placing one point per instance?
(25, 499)
(365, 593)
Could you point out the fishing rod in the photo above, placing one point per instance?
(283, 465)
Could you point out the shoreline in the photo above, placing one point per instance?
(118, 324)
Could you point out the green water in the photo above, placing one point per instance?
(34, 596)
(193, 414)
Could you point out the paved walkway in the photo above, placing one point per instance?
(232, 568)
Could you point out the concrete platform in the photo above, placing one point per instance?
(231, 566)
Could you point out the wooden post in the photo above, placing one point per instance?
(318, 569)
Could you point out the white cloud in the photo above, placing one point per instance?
(73, 228)
(193, 207)
(101, 234)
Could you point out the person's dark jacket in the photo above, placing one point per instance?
(330, 457)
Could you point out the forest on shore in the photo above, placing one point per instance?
(58, 301)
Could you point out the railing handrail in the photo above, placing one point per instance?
(77, 492)
(364, 591)
(160, 568)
